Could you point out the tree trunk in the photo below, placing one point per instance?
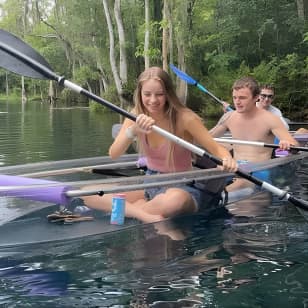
(181, 40)
(36, 12)
(182, 86)
(146, 34)
(69, 53)
(111, 49)
(41, 94)
(121, 33)
(103, 83)
(6, 84)
(112, 55)
(165, 40)
(51, 93)
(300, 9)
(25, 17)
(23, 90)
(170, 28)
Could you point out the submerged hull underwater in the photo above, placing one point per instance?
(28, 224)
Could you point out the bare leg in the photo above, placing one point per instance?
(133, 205)
(171, 203)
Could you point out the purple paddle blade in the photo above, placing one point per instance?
(33, 189)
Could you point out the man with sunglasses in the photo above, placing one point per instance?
(266, 98)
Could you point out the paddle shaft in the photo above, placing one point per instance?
(108, 167)
(199, 86)
(203, 89)
(192, 81)
(133, 187)
(256, 143)
(47, 73)
(28, 188)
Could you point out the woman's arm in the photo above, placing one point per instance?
(123, 140)
(128, 132)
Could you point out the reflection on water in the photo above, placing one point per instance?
(254, 255)
(251, 261)
(34, 132)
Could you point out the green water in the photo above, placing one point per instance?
(256, 257)
(34, 132)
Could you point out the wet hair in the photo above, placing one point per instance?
(247, 82)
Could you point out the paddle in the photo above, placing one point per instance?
(60, 193)
(297, 123)
(257, 143)
(192, 81)
(27, 56)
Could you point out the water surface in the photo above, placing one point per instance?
(254, 257)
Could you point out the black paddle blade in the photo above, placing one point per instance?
(299, 202)
(13, 64)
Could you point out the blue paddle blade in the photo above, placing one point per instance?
(13, 64)
(183, 76)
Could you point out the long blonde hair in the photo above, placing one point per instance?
(173, 103)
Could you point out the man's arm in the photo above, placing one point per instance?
(277, 111)
(280, 131)
(285, 123)
(221, 127)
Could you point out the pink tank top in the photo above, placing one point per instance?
(158, 158)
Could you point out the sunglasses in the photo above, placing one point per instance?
(269, 96)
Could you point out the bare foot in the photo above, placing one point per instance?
(168, 228)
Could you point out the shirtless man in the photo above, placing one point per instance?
(266, 98)
(248, 122)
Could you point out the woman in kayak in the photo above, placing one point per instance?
(156, 103)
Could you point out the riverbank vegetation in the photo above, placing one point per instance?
(103, 45)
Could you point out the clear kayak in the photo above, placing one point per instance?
(24, 222)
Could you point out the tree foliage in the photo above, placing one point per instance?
(215, 41)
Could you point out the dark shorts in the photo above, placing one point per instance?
(199, 196)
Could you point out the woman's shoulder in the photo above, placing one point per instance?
(187, 114)
(187, 119)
